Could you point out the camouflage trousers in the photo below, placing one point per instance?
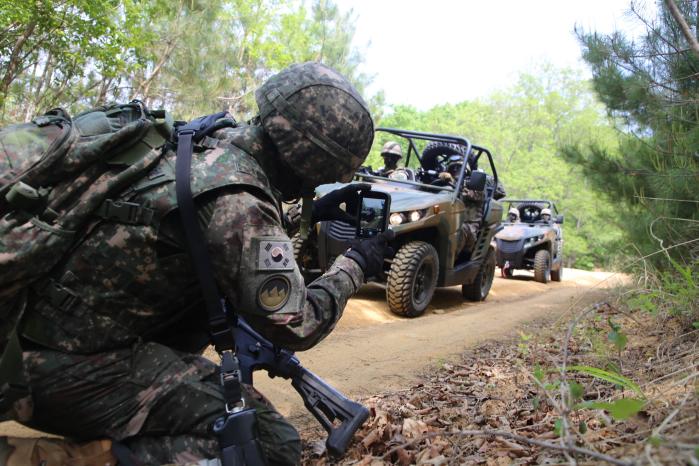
(158, 402)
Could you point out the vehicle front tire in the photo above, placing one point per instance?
(412, 279)
(479, 289)
(542, 266)
(557, 274)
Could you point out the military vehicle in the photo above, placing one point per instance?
(531, 243)
(427, 215)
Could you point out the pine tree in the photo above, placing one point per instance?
(650, 85)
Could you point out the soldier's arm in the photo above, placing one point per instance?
(255, 268)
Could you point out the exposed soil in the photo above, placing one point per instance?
(373, 350)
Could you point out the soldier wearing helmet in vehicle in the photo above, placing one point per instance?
(391, 154)
(120, 359)
(513, 215)
(545, 215)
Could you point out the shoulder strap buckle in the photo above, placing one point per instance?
(130, 213)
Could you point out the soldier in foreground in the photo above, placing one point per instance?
(110, 338)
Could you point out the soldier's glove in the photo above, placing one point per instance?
(369, 253)
(328, 206)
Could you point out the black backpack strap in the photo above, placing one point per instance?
(219, 327)
(221, 334)
(14, 385)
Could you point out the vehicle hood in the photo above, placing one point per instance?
(402, 198)
(519, 231)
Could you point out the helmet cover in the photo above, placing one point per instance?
(392, 148)
(318, 121)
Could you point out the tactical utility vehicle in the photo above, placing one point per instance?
(531, 243)
(426, 215)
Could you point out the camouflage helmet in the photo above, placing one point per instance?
(513, 211)
(392, 148)
(319, 123)
(545, 211)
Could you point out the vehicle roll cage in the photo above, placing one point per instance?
(478, 151)
(538, 202)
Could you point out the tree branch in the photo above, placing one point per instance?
(686, 32)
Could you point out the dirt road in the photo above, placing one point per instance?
(372, 350)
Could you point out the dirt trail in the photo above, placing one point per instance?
(372, 350)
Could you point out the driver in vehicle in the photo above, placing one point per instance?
(546, 215)
(513, 215)
(391, 153)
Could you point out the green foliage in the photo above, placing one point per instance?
(618, 409)
(654, 175)
(607, 376)
(616, 336)
(190, 56)
(524, 126)
(671, 292)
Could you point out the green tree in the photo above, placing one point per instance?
(524, 127)
(649, 85)
(51, 52)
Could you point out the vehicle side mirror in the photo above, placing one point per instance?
(559, 219)
(477, 181)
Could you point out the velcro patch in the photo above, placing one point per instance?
(275, 255)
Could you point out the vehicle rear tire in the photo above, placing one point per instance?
(542, 266)
(557, 274)
(479, 289)
(412, 279)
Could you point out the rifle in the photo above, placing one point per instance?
(327, 405)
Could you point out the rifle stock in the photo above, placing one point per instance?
(339, 416)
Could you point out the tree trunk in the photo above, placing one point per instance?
(684, 27)
(15, 59)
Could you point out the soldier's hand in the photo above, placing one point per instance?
(328, 206)
(369, 253)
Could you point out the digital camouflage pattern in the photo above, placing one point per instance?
(114, 322)
(316, 118)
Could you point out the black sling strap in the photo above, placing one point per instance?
(219, 327)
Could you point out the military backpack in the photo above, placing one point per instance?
(58, 176)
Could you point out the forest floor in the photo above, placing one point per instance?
(508, 400)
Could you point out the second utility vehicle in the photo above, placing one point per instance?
(531, 243)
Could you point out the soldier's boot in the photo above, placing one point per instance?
(15, 451)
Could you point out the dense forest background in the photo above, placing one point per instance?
(618, 153)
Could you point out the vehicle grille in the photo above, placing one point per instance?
(510, 246)
(341, 231)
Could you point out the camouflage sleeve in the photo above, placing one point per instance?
(255, 268)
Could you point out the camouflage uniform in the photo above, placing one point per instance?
(110, 335)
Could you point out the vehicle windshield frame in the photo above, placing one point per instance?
(411, 136)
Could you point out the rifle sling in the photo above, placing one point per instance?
(219, 327)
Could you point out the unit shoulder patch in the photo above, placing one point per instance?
(274, 293)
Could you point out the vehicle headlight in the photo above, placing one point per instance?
(414, 216)
(395, 219)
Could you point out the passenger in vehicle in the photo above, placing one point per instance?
(391, 153)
